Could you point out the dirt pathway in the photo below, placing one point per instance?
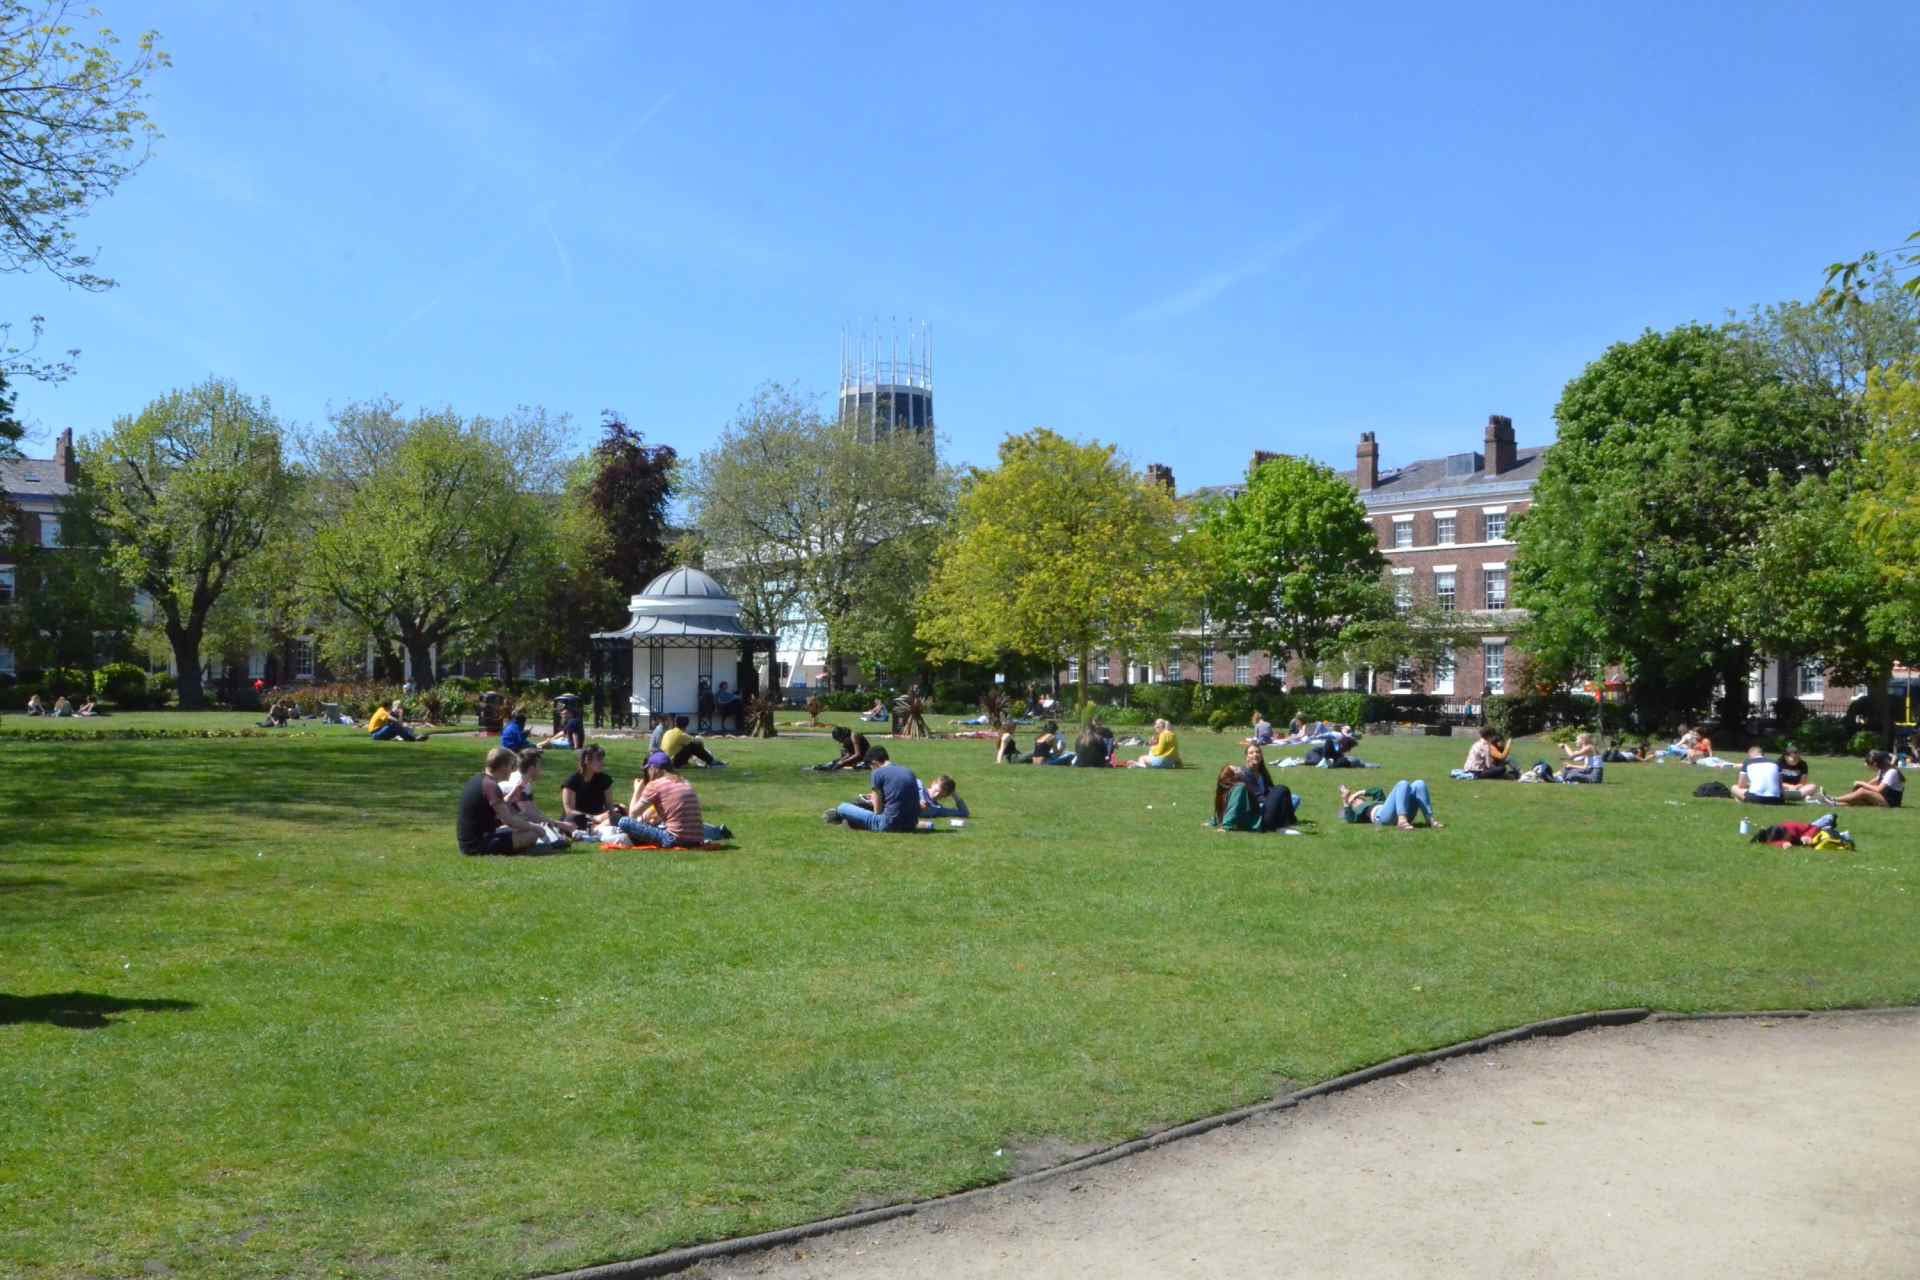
(1786, 1148)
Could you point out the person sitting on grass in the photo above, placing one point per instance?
(1009, 752)
(569, 729)
(486, 824)
(1239, 803)
(1397, 807)
(894, 803)
(853, 751)
(583, 796)
(1585, 761)
(1048, 747)
(1166, 749)
(1759, 780)
(518, 792)
(513, 734)
(1255, 774)
(278, 715)
(62, 708)
(1487, 758)
(1793, 774)
(391, 722)
(35, 707)
(1622, 753)
(87, 708)
(682, 746)
(674, 807)
(877, 713)
(1262, 731)
(938, 799)
(1886, 789)
(1094, 748)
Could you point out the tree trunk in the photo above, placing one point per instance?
(1880, 707)
(420, 650)
(1735, 704)
(186, 659)
(1086, 665)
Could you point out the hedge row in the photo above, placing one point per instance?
(38, 734)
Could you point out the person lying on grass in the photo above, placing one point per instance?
(486, 825)
(518, 791)
(1759, 780)
(939, 799)
(1886, 789)
(665, 809)
(853, 751)
(1166, 749)
(893, 804)
(583, 796)
(1397, 807)
(1237, 806)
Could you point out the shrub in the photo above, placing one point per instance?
(161, 689)
(1517, 715)
(847, 700)
(1823, 735)
(1222, 720)
(71, 681)
(1337, 708)
(122, 684)
(13, 697)
(1125, 717)
(1861, 743)
(1164, 701)
(123, 735)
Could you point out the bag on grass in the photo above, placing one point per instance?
(1713, 791)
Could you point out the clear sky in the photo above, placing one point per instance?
(1193, 231)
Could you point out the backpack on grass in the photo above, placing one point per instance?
(1713, 791)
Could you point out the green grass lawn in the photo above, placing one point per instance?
(311, 1038)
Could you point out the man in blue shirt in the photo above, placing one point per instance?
(513, 734)
(895, 799)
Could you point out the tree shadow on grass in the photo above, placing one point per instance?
(78, 1010)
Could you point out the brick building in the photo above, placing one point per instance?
(36, 488)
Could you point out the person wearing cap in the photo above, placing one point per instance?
(892, 805)
(665, 809)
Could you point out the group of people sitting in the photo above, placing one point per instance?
(1246, 798)
(499, 814)
(1093, 749)
(1771, 782)
(899, 802)
(60, 708)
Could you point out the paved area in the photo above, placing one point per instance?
(1785, 1147)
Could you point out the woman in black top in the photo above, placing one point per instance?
(853, 750)
(583, 796)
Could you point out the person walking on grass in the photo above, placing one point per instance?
(894, 801)
(486, 824)
(387, 723)
(1397, 807)
(665, 810)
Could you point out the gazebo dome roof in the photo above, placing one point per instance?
(684, 584)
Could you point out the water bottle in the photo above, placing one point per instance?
(1746, 828)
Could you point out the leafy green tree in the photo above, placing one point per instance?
(434, 527)
(1838, 349)
(70, 608)
(627, 485)
(189, 491)
(1639, 545)
(1296, 567)
(1061, 550)
(796, 512)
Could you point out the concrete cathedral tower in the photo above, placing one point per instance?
(885, 389)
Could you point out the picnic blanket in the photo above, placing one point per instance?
(671, 848)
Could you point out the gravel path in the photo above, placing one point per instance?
(1768, 1147)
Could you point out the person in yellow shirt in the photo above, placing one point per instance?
(1166, 749)
(384, 724)
(682, 746)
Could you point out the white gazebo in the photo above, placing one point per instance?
(684, 637)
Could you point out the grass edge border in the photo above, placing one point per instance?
(675, 1260)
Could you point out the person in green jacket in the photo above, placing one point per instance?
(1236, 809)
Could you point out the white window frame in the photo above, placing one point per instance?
(1490, 650)
(1487, 516)
(1488, 578)
(1403, 677)
(50, 531)
(1206, 665)
(1402, 532)
(1812, 679)
(1176, 661)
(1451, 534)
(1102, 668)
(1243, 669)
(1451, 600)
(302, 657)
(1443, 672)
(1073, 671)
(1403, 591)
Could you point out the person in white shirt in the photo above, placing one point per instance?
(1885, 790)
(1759, 781)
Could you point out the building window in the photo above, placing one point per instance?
(1443, 673)
(1403, 678)
(1206, 665)
(1403, 593)
(1073, 671)
(1243, 668)
(1813, 679)
(6, 662)
(1102, 669)
(1176, 665)
(49, 531)
(1443, 527)
(1496, 526)
(6, 584)
(302, 655)
(1443, 591)
(1493, 658)
(1403, 533)
(1496, 588)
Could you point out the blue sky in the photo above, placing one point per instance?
(1191, 233)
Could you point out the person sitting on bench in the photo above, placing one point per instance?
(681, 746)
(726, 707)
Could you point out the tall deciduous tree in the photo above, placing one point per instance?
(1639, 545)
(1296, 566)
(434, 526)
(70, 607)
(189, 491)
(628, 488)
(1061, 550)
(797, 513)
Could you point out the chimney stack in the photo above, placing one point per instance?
(1161, 475)
(1500, 450)
(1366, 471)
(63, 456)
